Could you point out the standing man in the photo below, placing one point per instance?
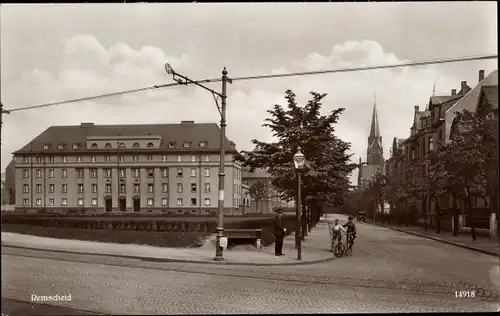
(279, 233)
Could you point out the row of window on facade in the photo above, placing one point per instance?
(136, 172)
(122, 188)
(63, 146)
(121, 158)
(93, 202)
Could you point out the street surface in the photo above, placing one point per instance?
(390, 271)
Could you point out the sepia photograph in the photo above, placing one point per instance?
(249, 158)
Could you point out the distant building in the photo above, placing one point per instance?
(271, 198)
(375, 152)
(169, 168)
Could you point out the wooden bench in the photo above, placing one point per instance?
(252, 234)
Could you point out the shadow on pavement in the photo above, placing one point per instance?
(20, 308)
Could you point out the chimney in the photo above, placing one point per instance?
(416, 108)
(463, 86)
(481, 75)
(86, 125)
(453, 91)
(187, 122)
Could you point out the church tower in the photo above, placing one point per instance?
(375, 151)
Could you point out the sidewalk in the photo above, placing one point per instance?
(314, 250)
(482, 244)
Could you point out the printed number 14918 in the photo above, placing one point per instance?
(465, 294)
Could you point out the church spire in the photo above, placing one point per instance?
(374, 130)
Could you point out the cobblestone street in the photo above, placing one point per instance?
(390, 271)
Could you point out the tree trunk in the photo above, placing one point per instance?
(438, 217)
(455, 216)
(303, 219)
(470, 215)
(425, 211)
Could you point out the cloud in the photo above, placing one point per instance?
(88, 68)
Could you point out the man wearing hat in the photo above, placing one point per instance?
(279, 233)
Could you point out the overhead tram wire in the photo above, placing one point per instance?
(295, 74)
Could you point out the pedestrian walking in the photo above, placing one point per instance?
(279, 233)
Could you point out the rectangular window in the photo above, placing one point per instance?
(64, 159)
(107, 159)
(122, 173)
(94, 202)
(64, 173)
(193, 201)
(193, 158)
(26, 173)
(38, 173)
(151, 173)
(150, 158)
(121, 158)
(93, 173)
(122, 188)
(193, 187)
(79, 159)
(52, 202)
(179, 172)
(64, 188)
(150, 188)
(207, 187)
(93, 159)
(26, 159)
(207, 201)
(26, 188)
(179, 188)
(52, 188)
(51, 159)
(64, 201)
(38, 202)
(136, 188)
(164, 158)
(79, 173)
(179, 202)
(206, 158)
(107, 173)
(193, 172)
(94, 188)
(26, 202)
(80, 188)
(164, 202)
(80, 202)
(207, 172)
(38, 159)
(179, 158)
(164, 187)
(108, 188)
(150, 202)
(164, 172)
(38, 188)
(136, 172)
(135, 158)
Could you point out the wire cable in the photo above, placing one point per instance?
(295, 74)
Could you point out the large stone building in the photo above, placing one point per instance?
(170, 168)
(374, 153)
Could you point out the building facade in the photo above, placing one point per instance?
(374, 153)
(166, 168)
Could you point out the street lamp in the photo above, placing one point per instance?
(222, 111)
(298, 161)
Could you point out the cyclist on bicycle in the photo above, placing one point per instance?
(337, 233)
(351, 229)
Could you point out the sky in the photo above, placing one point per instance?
(55, 52)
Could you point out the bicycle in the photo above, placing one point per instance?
(350, 239)
(339, 249)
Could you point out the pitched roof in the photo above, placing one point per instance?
(469, 101)
(443, 98)
(187, 131)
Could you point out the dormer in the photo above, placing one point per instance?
(172, 144)
(94, 146)
(61, 146)
(46, 146)
(203, 144)
(186, 145)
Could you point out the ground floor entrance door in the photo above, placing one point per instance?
(108, 204)
(122, 204)
(137, 205)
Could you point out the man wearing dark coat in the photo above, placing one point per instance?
(279, 233)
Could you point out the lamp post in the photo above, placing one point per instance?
(298, 161)
(222, 111)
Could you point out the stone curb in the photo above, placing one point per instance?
(456, 244)
(167, 260)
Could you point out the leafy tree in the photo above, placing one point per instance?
(467, 160)
(325, 177)
(258, 191)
